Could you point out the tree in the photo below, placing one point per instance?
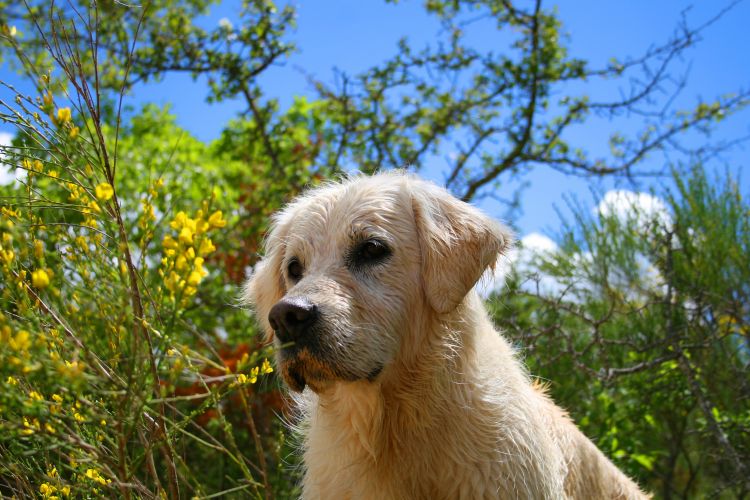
(642, 329)
(499, 110)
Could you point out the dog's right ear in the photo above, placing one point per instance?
(266, 285)
(457, 242)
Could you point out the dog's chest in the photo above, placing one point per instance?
(401, 458)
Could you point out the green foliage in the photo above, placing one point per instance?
(645, 335)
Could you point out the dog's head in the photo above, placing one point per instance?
(351, 268)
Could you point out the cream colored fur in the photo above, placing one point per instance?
(452, 413)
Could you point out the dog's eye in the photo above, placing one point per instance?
(370, 252)
(294, 269)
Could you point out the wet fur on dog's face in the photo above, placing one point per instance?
(349, 265)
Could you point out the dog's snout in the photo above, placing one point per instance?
(292, 317)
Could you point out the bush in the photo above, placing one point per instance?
(126, 367)
(640, 321)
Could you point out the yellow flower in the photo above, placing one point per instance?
(241, 379)
(195, 278)
(148, 213)
(172, 282)
(169, 242)
(186, 236)
(40, 278)
(79, 417)
(104, 191)
(63, 115)
(71, 369)
(201, 226)
(38, 249)
(73, 132)
(206, 247)
(47, 99)
(21, 341)
(47, 490)
(81, 243)
(179, 220)
(254, 375)
(266, 367)
(243, 361)
(30, 427)
(180, 263)
(216, 221)
(65, 491)
(35, 396)
(57, 398)
(12, 380)
(94, 475)
(95, 206)
(7, 255)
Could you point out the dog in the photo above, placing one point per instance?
(366, 289)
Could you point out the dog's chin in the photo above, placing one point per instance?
(297, 378)
(294, 377)
(301, 369)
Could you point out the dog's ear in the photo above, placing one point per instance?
(266, 285)
(457, 241)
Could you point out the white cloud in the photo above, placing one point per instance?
(534, 247)
(628, 206)
(537, 243)
(642, 209)
(6, 174)
(520, 257)
(5, 138)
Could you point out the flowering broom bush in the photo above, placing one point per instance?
(96, 328)
(126, 368)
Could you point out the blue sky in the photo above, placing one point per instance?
(351, 36)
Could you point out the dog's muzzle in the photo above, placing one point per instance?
(294, 321)
(304, 357)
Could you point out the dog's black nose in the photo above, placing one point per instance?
(292, 317)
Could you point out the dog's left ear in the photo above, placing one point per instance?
(457, 241)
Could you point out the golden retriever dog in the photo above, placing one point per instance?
(366, 288)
